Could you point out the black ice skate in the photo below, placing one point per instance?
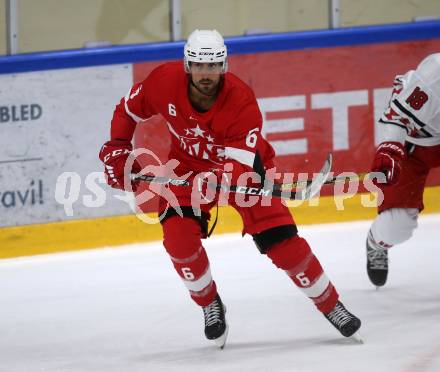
(377, 262)
(344, 321)
(216, 328)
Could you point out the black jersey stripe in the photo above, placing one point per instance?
(425, 132)
(259, 166)
(420, 123)
(394, 123)
(408, 113)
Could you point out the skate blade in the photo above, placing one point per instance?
(357, 337)
(221, 341)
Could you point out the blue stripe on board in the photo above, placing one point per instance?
(236, 45)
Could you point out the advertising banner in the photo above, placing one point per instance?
(52, 125)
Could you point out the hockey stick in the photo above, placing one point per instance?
(161, 180)
(329, 181)
(284, 186)
(311, 188)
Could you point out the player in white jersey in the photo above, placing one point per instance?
(410, 128)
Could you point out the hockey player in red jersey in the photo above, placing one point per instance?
(410, 128)
(215, 123)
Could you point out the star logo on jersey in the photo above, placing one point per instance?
(199, 143)
(198, 132)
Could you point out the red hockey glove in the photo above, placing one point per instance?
(388, 159)
(114, 155)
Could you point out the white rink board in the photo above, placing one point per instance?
(125, 309)
(53, 122)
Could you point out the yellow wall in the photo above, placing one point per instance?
(69, 24)
(369, 12)
(234, 17)
(66, 24)
(3, 27)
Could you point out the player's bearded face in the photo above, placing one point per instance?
(206, 76)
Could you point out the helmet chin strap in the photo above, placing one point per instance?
(206, 94)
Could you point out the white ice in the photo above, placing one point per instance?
(125, 310)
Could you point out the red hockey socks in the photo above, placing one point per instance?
(182, 241)
(295, 257)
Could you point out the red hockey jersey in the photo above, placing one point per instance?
(231, 129)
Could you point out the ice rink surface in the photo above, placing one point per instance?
(125, 310)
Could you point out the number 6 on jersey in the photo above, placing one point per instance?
(251, 138)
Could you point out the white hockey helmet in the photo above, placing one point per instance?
(205, 46)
